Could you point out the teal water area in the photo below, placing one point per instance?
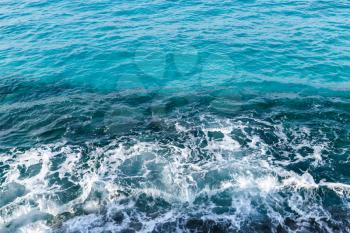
(174, 116)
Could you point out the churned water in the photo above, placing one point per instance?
(174, 116)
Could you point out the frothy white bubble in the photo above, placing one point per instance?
(213, 175)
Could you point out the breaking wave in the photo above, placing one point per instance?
(196, 173)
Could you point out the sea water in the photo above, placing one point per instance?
(174, 116)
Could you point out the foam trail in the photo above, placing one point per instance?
(142, 185)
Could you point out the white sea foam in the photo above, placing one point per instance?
(176, 174)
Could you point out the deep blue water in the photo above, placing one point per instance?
(174, 116)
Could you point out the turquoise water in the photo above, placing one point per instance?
(175, 116)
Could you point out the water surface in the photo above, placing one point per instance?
(174, 116)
